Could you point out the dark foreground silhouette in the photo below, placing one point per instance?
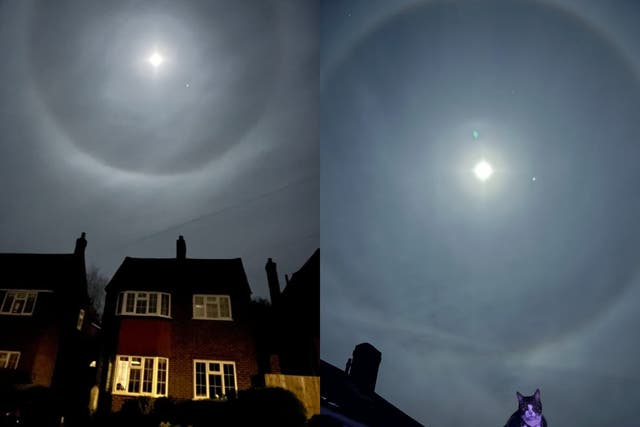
(268, 406)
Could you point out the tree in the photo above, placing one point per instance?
(96, 283)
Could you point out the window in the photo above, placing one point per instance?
(213, 379)
(137, 375)
(109, 373)
(217, 307)
(144, 303)
(80, 319)
(9, 359)
(17, 302)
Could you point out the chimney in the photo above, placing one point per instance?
(364, 367)
(272, 280)
(181, 248)
(81, 244)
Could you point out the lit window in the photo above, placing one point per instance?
(18, 303)
(217, 307)
(9, 359)
(213, 379)
(137, 375)
(144, 304)
(109, 374)
(80, 320)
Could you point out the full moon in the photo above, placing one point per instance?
(156, 59)
(483, 170)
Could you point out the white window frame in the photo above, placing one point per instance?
(109, 373)
(80, 319)
(142, 296)
(207, 372)
(126, 366)
(204, 315)
(15, 293)
(5, 358)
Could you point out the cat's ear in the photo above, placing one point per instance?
(520, 397)
(536, 395)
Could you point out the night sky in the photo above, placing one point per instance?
(474, 290)
(218, 143)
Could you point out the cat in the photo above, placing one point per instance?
(529, 413)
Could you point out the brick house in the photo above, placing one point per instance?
(45, 332)
(177, 327)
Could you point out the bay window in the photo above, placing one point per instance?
(17, 302)
(142, 303)
(141, 376)
(9, 359)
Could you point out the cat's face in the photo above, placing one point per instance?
(530, 408)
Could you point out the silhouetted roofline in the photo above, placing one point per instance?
(36, 255)
(337, 389)
(134, 266)
(310, 268)
(42, 270)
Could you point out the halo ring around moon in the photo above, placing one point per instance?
(156, 125)
(386, 20)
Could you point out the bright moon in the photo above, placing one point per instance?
(483, 170)
(156, 59)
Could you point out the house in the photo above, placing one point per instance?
(45, 332)
(296, 332)
(348, 397)
(177, 327)
(297, 313)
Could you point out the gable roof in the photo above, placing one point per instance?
(41, 271)
(189, 274)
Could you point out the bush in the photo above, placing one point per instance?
(134, 412)
(34, 406)
(269, 406)
(202, 413)
(164, 409)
